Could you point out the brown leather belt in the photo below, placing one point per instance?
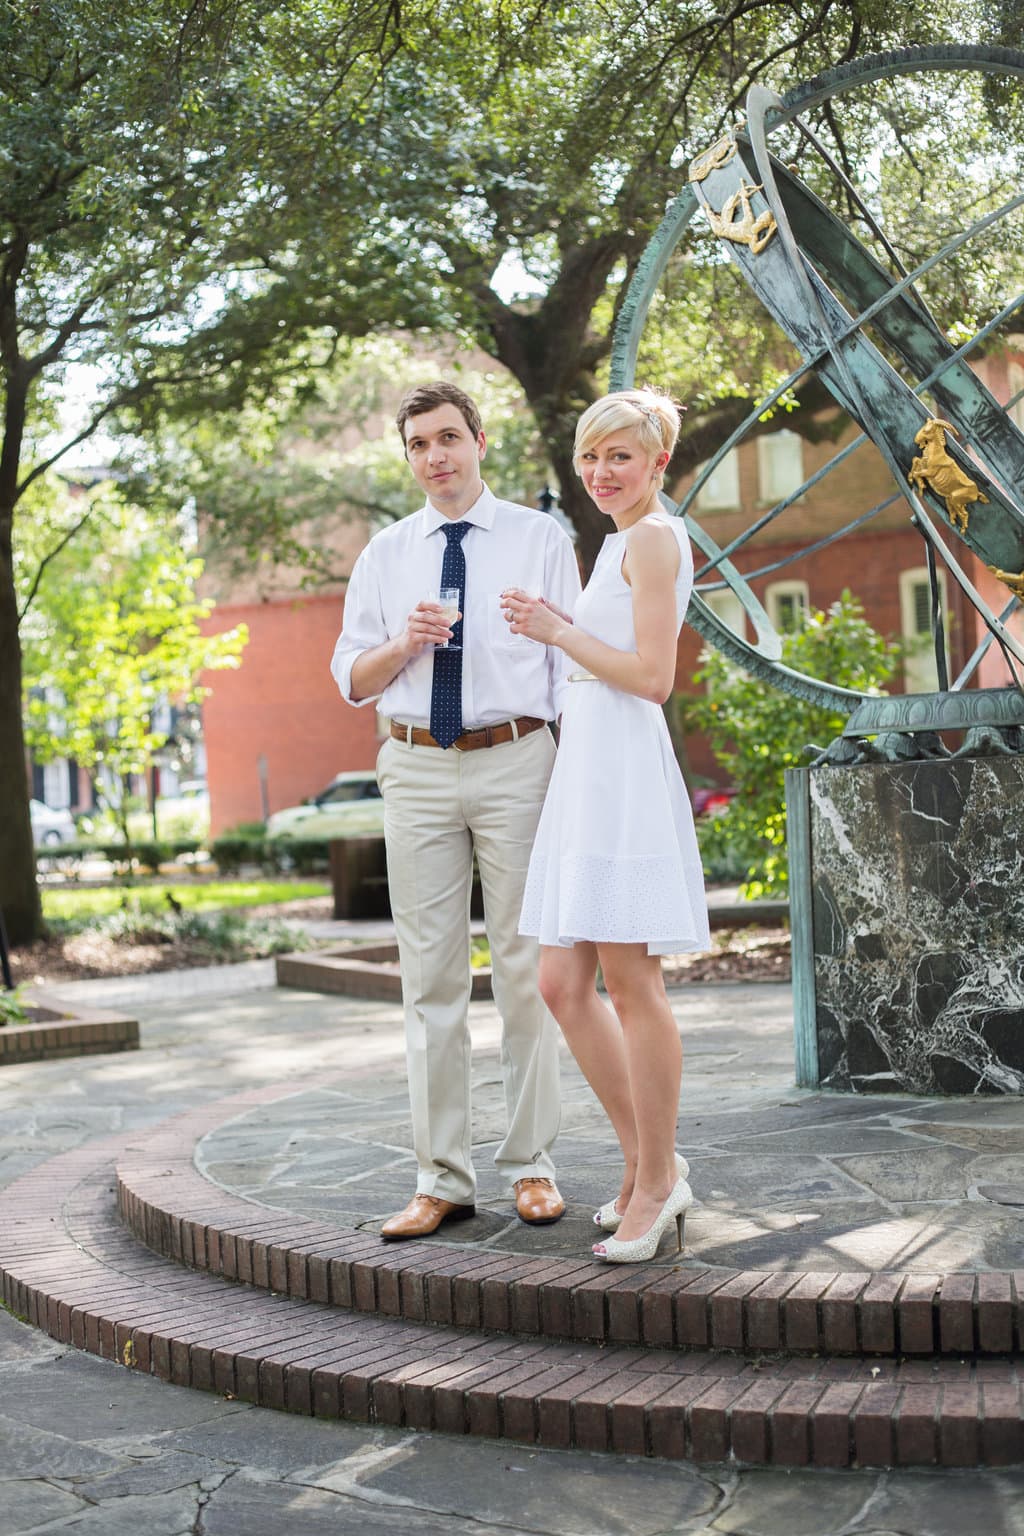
(470, 741)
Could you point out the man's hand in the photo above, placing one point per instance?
(427, 625)
(533, 617)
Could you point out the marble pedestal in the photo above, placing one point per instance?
(907, 908)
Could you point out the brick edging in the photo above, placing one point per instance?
(178, 1213)
(70, 1031)
(355, 970)
(69, 1267)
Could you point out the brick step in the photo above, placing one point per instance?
(181, 1215)
(68, 1265)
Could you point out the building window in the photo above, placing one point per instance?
(57, 784)
(920, 674)
(726, 607)
(721, 490)
(786, 603)
(780, 464)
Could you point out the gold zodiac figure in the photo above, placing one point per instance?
(934, 469)
(739, 223)
(1015, 583)
(720, 153)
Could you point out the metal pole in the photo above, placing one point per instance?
(938, 628)
(261, 769)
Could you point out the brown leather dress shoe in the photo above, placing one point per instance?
(538, 1201)
(423, 1215)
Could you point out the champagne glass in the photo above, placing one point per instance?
(448, 598)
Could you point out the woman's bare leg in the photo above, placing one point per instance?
(568, 984)
(654, 1061)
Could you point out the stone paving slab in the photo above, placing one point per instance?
(821, 1183)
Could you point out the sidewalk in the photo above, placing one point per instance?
(784, 1178)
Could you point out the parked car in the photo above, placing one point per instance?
(350, 806)
(50, 826)
(711, 800)
(186, 813)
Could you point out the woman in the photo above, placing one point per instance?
(615, 876)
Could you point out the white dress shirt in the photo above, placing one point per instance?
(503, 675)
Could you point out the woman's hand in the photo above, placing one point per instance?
(533, 617)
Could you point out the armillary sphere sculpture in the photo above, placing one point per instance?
(962, 467)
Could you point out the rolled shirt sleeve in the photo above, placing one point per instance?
(363, 626)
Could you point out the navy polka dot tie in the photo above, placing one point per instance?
(446, 690)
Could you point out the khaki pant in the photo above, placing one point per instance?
(440, 807)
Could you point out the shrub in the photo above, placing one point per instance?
(304, 855)
(12, 1008)
(757, 732)
(244, 844)
(212, 937)
(145, 854)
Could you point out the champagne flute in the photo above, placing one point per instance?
(448, 598)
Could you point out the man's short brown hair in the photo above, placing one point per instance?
(427, 397)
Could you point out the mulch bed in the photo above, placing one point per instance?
(738, 954)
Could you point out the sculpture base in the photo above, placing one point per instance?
(907, 903)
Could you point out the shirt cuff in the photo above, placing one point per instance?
(341, 668)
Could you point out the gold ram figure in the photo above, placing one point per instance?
(934, 469)
(1014, 582)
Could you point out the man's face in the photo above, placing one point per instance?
(444, 457)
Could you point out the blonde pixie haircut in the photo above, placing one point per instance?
(652, 416)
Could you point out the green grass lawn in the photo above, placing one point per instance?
(74, 902)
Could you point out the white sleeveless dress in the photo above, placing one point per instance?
(615, 858)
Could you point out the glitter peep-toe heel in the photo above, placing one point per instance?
(609, 1216)
(639, 1249)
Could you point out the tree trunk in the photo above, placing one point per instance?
(19, 894)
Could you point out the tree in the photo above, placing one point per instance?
(757, 733)
(115, 633)
(144, 149)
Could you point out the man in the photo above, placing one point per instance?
(463, 772)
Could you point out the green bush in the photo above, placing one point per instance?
(241, 845)
(757, 732)
(213, 937)
(249, 844)
(304, 855)
(145, 854)
(12, 1008)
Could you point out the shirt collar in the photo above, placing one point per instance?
(481, 514)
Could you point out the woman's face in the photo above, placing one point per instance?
(618, 473)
